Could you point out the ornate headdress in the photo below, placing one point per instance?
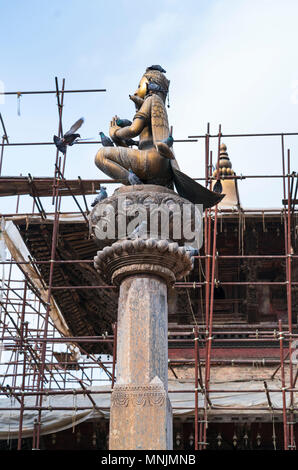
(155, 75)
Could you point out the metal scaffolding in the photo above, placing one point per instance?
(28, 333)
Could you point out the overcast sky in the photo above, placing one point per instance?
(229, 62)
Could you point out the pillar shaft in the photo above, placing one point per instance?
(142, 343)
(141, 415)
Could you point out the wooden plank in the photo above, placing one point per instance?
(12, 186)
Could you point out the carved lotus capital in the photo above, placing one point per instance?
(156, 257)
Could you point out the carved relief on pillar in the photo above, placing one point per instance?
(140, 395)
(146, 211)
(146, 411)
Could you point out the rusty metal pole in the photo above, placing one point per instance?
(208, 258)
(60, 133)
(283, 384)
(24, 332)
(289, 305)
(207, 228)
(46, 321)
(196, 338)
(283, 164)
(207, 266)
(2, 151)
(207, 155)
(210, 323)
(23, 387)
(40, 383)
(4, 138)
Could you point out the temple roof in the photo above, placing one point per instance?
(90, 311)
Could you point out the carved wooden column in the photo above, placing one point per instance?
(141, 415)
(251, 244)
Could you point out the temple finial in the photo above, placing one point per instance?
(225, 165)
(228, 185)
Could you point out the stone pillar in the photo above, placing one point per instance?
(140, 398)
(144, 266)
(141, 415)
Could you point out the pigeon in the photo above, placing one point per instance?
(101, 196)
(139, 231)
(61, 146)
(123, 122)
(192, 252)
(217, 188)
(106, 141)
(156, 67)
(69, 136)
(169, 141)
(152, 86)
(133, 179)
(131, 142)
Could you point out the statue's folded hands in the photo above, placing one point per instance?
(112, 132)
(123, 133)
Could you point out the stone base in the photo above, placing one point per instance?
(141, 418)
(146, 211)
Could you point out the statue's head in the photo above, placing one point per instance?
(153, 81)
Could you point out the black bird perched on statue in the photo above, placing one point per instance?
(123, 122)
(106, 141)
(192, 251)
(157, 67)
(169, 140)
(152, 86)
(101, 196)
(133, 178)
(69, 137)
(153, 162)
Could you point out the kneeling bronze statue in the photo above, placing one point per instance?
(153, 162)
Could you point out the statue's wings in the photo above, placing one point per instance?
(159, 119)
(186, 186)
(160, 127)
(193, 191)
